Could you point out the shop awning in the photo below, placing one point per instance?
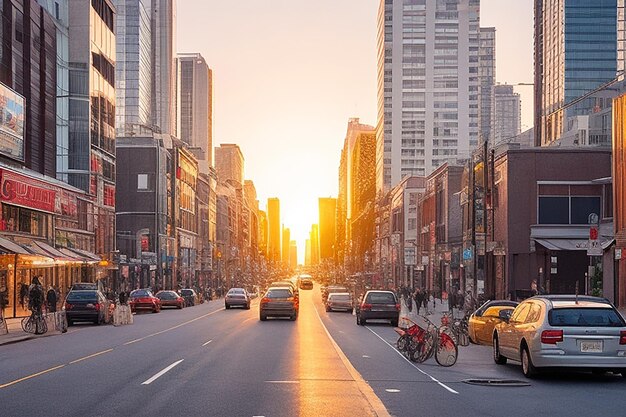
(92, 257)
(73, 255)
(570, 244)
(9, 247)
(57, 254)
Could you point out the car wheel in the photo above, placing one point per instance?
(528, 368)
(226, 306)
(293, 317)
(394, 323)
(248, 307)
(263, 317)
(327, 309)
(497, 357)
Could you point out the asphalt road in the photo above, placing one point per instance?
(207, 361)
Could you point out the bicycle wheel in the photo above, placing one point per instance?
(41, 326)
(447, 351)
(403, 343)
(28, 324)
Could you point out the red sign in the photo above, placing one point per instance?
(27, 192)
(593, 233)
(145, 243)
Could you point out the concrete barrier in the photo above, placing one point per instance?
(122, 315)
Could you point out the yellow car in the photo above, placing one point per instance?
(482, 321)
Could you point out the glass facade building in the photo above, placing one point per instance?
(428, 86)
(133, 68)
(508, 114)
(91, 164)
(576, 43)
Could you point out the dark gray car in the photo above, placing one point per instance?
(379, 305)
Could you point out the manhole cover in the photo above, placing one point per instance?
(497, 382)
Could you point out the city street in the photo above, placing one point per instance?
(206, 360)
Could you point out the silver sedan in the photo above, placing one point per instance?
(554, 331)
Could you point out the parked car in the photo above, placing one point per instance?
(339, 301)
(278, 302)
(191, 297)
(237, 297)
(85, 305)
(484, 319)
(144, 300)
(170, 299)
(551, 331)
(378, 304)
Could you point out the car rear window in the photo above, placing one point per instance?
(166, 296)
(585, 317)
(340, 297)
(186, 292)
(82, 296)
(338, 289)
(139, 293)
(381, 298)
(238, 291)
(279, 293)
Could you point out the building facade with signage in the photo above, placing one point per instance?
(619, 197)
(539, 210)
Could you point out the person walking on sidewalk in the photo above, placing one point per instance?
(419, 299)
(51, 299)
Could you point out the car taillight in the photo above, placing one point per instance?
(265, 300)
(622, 337)
(365, 306)
(97, 306)
(68, 306)
(398, 307)
(551, 337)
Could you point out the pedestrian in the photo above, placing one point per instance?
(533, 288)
(419, 299)
(35, 296)
(425, 300)
(23, 294)
(51, 299)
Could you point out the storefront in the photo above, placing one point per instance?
(35, 210)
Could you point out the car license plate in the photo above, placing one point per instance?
(592, 346)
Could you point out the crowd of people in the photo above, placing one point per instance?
(422, 298)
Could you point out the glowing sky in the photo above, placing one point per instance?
(289, 73)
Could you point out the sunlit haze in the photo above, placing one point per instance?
(288, 74)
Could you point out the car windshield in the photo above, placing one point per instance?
(82, 295)
(166, 295)
(585, 317)
(140, 293)
(381, 298)
(340, 297)
(278, 293)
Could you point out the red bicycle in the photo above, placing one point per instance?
(419, 344)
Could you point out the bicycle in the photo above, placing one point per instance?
(35, 323)
(458, 329)
(420, 344)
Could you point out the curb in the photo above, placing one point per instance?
(16, 340)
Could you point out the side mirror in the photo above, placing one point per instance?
(505, 315)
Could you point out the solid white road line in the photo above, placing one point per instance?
(370, 396)
(413, 365)
(207, 342)
(161, 373)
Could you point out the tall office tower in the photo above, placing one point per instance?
(314, 236)
(133, 67)
(293, 254)
(194, 106)
(508, 114)
(273, 223)
(163, 81)
(91, 165)
(428, 86)
(487, 79)
(286, 245)
(307, 253)
(263, 233)
(58, 9)
(229, 163)
(327, 219)
(575, 52)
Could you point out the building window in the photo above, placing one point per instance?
(553, 210)
(142, 182)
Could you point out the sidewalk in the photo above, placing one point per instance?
(14, 333)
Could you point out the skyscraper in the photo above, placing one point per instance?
(327, 216)
(133, 67)
(428, 86)
(508, 113)
(163, 82)
(314, 237)
(575, 52)
(229, 163)
(273, 219)
(286, 255)
(293, 254)
(194, 109)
